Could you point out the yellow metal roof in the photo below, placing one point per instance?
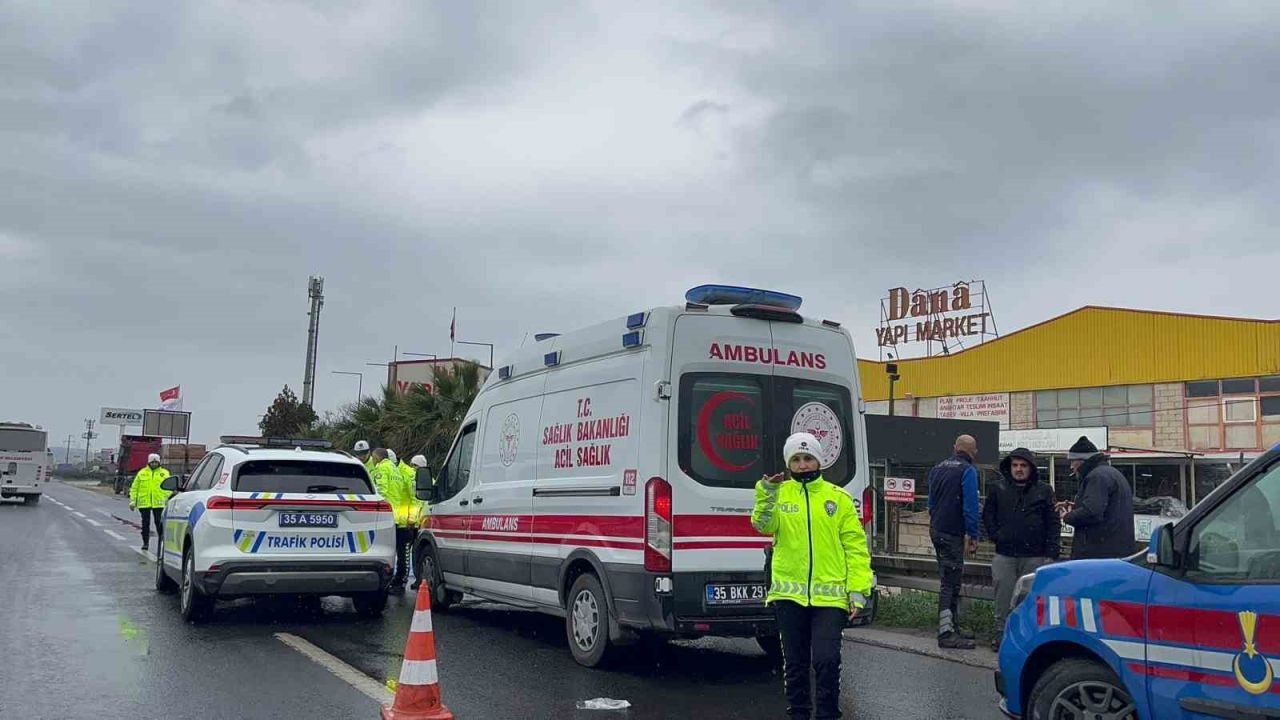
(1091, 347)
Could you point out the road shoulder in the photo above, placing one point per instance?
(919, 642)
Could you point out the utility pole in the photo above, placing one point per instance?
(67, 459)
(315, 291)
(88, 436)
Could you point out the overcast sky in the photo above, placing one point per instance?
(173, 172)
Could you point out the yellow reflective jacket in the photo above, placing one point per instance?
(408, 475)
(146, 491)
(390, 485)
(820, 555)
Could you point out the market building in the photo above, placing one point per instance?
(1180, 401)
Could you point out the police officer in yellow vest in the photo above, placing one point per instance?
(390, 482)
(820, 572)
(418, 514)
(147, 497)
(361, 453)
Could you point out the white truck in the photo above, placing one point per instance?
(24, 461)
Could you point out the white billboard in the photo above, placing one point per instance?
(1055, 440)
(990, 407)
(124, 417)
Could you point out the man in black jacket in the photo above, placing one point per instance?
(1020, 518)
(1102, 513)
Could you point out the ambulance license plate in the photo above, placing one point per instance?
(304, 519)
(735, 594)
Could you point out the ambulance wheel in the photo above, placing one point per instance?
(371, 604)
(164, 584)
(193, 605)
(772, 647)
(1080, 688)
(428, 571)
(587, 621)
(30, 499)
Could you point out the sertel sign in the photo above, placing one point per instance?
(120, 416)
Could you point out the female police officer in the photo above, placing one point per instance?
(821, 571)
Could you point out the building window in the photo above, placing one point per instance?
(1247, 386)
(1270, 408)
(1208, 388)
(1240, 410)
(1269, 384)
(1117, 406)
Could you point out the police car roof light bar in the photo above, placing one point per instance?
(734, 295)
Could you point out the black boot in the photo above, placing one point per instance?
(953, 641)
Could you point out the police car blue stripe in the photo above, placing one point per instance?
(253, 496)
(238, 533)
(351, 542)
(258, 543)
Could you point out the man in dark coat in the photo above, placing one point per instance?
(1102, 513)
(1021, 519)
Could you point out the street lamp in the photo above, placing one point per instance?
(359, 386)
(488, 345)
(892, 370)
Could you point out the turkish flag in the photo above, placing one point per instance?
(171, 399)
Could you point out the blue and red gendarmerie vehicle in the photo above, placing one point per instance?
(1189, 629)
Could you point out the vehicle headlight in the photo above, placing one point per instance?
(1023, 588)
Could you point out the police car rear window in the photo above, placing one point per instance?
(301, 476)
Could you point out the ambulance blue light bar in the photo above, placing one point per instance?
(504, 372)
(633, 339)
(733, 295)
(637, 320)
(551, 359)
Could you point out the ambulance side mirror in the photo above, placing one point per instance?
(1160, 548)
(424, 485)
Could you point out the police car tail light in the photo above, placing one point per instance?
(383, 506)
(657, 525)
(219, 502)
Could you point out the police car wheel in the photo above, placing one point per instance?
(587, 621)
(164, 583)
(1077, 688)
(193, 605)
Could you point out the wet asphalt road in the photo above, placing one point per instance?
(83, 634)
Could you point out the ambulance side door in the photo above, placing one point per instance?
(451, 513)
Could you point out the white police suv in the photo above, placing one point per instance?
(275, 516)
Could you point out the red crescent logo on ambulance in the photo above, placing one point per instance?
(704, 429)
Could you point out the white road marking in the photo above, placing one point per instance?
(343, 671)
(93, 522)
(116, 536)
(104, 512)
(79, 514)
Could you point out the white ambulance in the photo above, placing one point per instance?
(607, 475)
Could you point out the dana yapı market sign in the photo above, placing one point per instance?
(932, 315)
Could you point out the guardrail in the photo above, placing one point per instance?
(921, 573)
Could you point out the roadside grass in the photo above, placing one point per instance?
(918, 610)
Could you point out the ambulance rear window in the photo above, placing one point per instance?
(301, 476)
(732, 426)
(722, 428)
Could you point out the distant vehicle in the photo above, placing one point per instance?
(275, 516)
(132, 457)
(24, 461)
(607, 476)
(1188, 629)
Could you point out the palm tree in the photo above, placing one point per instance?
(412, 422)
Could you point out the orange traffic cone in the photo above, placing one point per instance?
(418, 692)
